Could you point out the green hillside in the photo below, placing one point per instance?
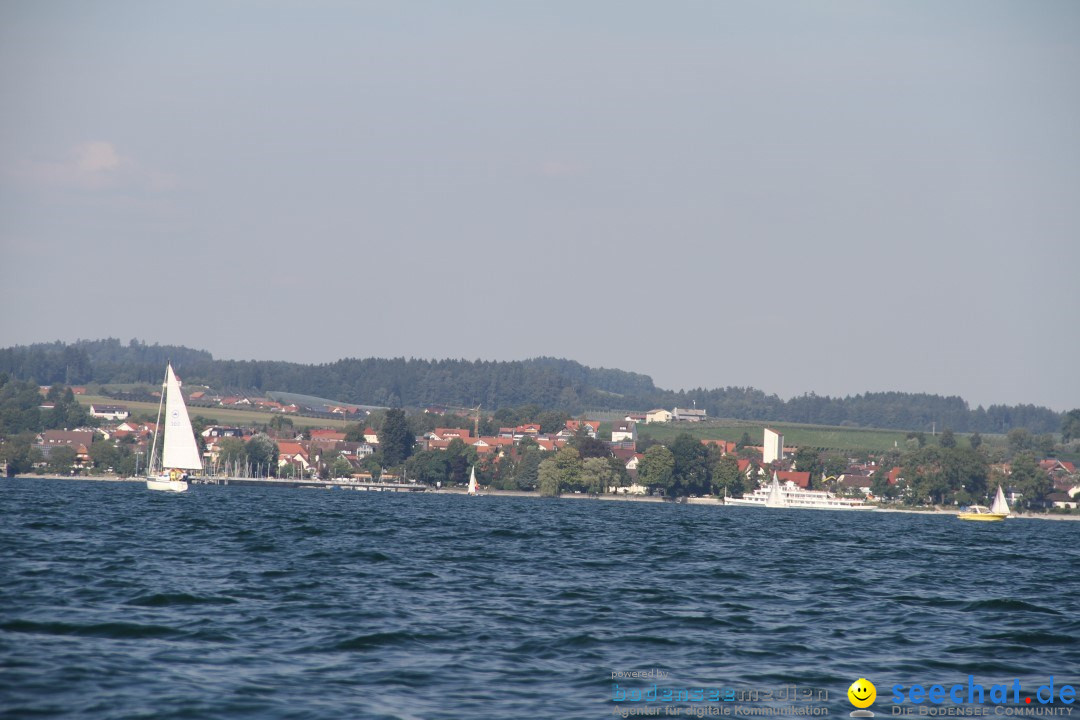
(822, 437)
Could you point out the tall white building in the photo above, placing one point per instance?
(773, 447)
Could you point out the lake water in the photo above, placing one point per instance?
(231, 602)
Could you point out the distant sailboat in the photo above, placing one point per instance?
(180, 451)
(472, 481)
(776, 497)
(996, 513)
(1000, 506)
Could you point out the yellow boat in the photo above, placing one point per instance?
(981, 512)
(997, 513)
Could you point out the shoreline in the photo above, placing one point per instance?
(709, 501)
(91, 478)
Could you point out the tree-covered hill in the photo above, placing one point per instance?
(549, 383)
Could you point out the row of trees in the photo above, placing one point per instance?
(584, 465)
(958, 475)
(948, 473)
(686, 467)
(549, 383)
(22, 418)
(21, 408)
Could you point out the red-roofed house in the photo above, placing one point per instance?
(1051, 465)
(482, 447)
(496, 444)
(294, 453)
(139, 430)
(591, 427)
(451, 433)
(725, 446)
(747, 469)
(327, 438)
(802, 479)
(529, 430)
(78, 440)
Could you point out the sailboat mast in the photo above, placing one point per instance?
(157, 424)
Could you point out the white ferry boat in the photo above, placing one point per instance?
(790, 495)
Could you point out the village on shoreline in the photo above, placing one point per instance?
(676, 457)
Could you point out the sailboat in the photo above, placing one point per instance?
(776, 497)
(1000, 506)
(997, 512)
(472, 481)
(179, 452)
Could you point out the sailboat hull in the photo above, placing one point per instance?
(166, 485)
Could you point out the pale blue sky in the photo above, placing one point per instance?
(798, 196)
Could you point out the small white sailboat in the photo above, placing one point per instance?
(180, 451)
(472, 481)
(776, 497)
(1001, 505)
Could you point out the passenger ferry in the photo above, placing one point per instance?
(790, 495)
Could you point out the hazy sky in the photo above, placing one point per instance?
(834, 197)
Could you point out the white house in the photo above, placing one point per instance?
(624, 431)
(109, 412)
(1062, 500)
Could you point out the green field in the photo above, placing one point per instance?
(215, 415)
(841, 439)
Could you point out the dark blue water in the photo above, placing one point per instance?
(116, 602)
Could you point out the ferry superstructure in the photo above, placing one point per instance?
(790, 495)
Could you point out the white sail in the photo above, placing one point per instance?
(776, 496)
(1000, 506)
(180, 449)
(472, 481)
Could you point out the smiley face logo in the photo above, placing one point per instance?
(862, 693)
